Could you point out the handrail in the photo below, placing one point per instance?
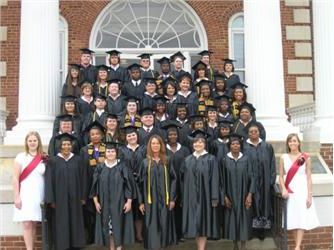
(45, 229)
(280, 232)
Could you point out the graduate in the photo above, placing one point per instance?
(185, 95)
(91, 155)
(170, 93)
(239, 187)
(65, 193)
(86, 101)
(212, 123)
(135, 86)
(72, 82)
(157, 194)
(148, 129)
(115, 101)
(176, 154)
(69, 107)
(210, 70)
(148, 99)
(219, 146)
(160, 110)
(130, 116)
(116, 70)
(113, 190)
(112, 129)
(204, 96)
(177, 59)
(242, 124)
(230, 77)
(224, 108)
(87, 70)
(145, 64)
(199, 177)
(65, 126)
(219, 86)
(100, 87)
(133, 154)
(165, 72)
(263, 156)
(199, 75)
(182, 118)
(239, 96)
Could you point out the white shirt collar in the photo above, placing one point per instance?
(145, 128)
(224, 116)
(99, 112)
(83, 98)
(198, 155)
(222, 141)
(154, 94)
(112, 165)
(250, 142)
(182, 122)
(128, 146)
(178, 147)
(114, 98)
(60, 155)
(114, 67)
(134, 82)
(185, 95)
(229, 154)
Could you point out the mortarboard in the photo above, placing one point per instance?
(132, 99)
(204, 82)
(114, 80)
(177, 55)
(199, 134)
(68, 98)
(65, 137)
(160, 99)
(205, 53)
(86, 51)
(101, 97)
(112, 116)
(225, 123)
(199, 65)
(75, 65)
(170, 124)
(129, 129)
(186, 75)
(164, 60)
(146, 111)
(148, 80)
(103, 67)
(145, 56)
(95, 125)
(112, 145)
(113, 52)
(211, 108)
(195, 118)
(239, 85)
(64, 118)
(134, 66)
(247, 105)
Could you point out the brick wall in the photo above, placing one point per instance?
(319, 238)
(326, 151)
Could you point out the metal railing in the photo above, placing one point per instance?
(46, 239)
(279, 228)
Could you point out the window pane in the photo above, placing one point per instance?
(238, 22)
(241, 75)
(238, 50)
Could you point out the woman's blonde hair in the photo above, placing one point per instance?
(39, 147)
(162, 153)
(290, 136)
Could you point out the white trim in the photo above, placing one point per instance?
(65, 55)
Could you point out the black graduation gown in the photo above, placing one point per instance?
(191, 100)
(199, 188)
(149, 73)
(229, 81)
(241, 129)
(213, 132)
(76, 124)
(211, 72)
(85, 108)
(100, 90)
(184, 133)
(171, 108)
(129, 89)
(54, 145)
(125, 120)
(116, 106)
(92, 117)
(147, 101)
(113, 186)
(238, 180)
(120, 73)
(89, 73)
(265, 172)
(226, 117)
(159, 226)
(68, 90)
(144, 136)
(176, 158)
(177, 74)
(64, 186)
(219, 149)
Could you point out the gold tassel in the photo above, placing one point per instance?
(166, 183)
(149, 199)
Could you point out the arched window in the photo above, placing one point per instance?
(63, 42)
(236, 43)
(160, 27)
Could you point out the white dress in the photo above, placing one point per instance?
(31, 192)
(298, 216)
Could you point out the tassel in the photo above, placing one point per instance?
(149, 199)
(166, 184)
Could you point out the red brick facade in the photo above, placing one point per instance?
(326, 151)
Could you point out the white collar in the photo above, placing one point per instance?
(114, 98)
(163, 118)
(244, 123)
(198, 155)
(229, 74)
(154, 94)
(182, 122)
(185, 95)
(71, 155)
(99, 112)
(112, 165)
(222, 141)
(146, 128)
(215, 125)
(83, 98)
(114, 67)
(128, 146)
(100, 84)
(178, 147)
(170, 100)
(134, 82)
(145, 70)
(229, 154)
(250, 142)
(224, 116)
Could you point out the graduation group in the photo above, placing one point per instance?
(157, 157)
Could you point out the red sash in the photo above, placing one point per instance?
(31, 166)
(293, 170)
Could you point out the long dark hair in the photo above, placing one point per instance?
(162, 153)
(290, 136)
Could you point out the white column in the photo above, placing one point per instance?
(39, 70)
(264, 66)
(323, 40)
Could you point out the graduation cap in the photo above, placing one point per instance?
(101, 97)
(181, 104)
(170, 124)
(145, 56)
(68, 98)
(228, 60)
(64, 118)
(203, 82)
(160, 99)
(223, 97)
(132, 99)
(163, 60)
(150, 80)
(219, 76)
(85, 81)
(114, 80)
(113, 52)
(129, 129)
(205, 53)
(239, 85)
(95, 125)
(196, 118)
(102, 67)
(112, 116)
(170, 79)
(86, 51)
(134, 66)
(177, 55)
(186, 75)
(225, 123)
(211, 108)
(235, 136)
(199, 133)
(112, 145)
(65, 137)
(199, 65)
(247, 105)
(146, 111)
(75, 65)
